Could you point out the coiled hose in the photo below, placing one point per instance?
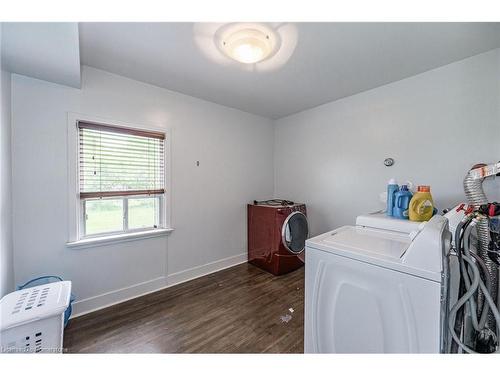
(476, 283)
(473, 282)
(466, 272)
(475, 195)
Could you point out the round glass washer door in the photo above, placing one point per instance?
(294, 232)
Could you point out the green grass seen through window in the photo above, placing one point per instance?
(107, 215)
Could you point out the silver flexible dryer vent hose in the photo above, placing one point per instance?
(475, 196)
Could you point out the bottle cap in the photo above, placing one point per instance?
(404, 187)
(424, 189)
(392, 181)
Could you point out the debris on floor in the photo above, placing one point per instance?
(285, 318)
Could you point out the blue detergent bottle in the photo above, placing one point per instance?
(392, 188)
(402, 200)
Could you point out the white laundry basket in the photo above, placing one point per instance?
(32, 320)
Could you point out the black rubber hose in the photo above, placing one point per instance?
(461, 289)
(459, 238)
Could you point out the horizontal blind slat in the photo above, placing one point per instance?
(129, 164)
(111, 147)
(128, 137)
(93, 157)
(100, 194)
(118, 142)
(118, 174)
(92, 126)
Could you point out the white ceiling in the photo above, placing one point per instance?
(330, 61)
(47, 51)
(318, 62)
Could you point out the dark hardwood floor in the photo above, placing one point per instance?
(238, 310)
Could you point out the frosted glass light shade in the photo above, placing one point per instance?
(248, 45)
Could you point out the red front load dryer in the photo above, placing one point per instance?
(276, 237)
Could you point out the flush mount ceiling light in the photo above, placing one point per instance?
(280, 46)
(247, 43)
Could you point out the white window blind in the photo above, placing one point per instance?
(116, 161)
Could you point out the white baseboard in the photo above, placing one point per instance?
(114, 297)
(195, 272)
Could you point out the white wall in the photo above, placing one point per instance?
(329, 157)
(43, 50)
(6, 256)
(208, 202)
(435, 125)
(6, 264)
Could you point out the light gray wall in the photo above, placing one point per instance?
(208, 202)
(43, 50)
(436, 125)
(6, 263)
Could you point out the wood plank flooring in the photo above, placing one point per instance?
(237, 310)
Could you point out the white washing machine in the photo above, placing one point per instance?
(378, 287)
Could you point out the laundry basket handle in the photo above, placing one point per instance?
(38, 278)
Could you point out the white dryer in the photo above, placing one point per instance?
(378, 287)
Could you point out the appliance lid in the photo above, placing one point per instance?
(379, 220)
(382, 248)
(419, 253)
(367, 241)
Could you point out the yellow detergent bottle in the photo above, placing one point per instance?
(421, 205)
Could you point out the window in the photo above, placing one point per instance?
(121, 175)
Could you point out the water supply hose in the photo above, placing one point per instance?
(459, 314)
(460, 237)
(474, 192)
(487, 283)
(467, 252)
(476, 283)
(484, 270)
